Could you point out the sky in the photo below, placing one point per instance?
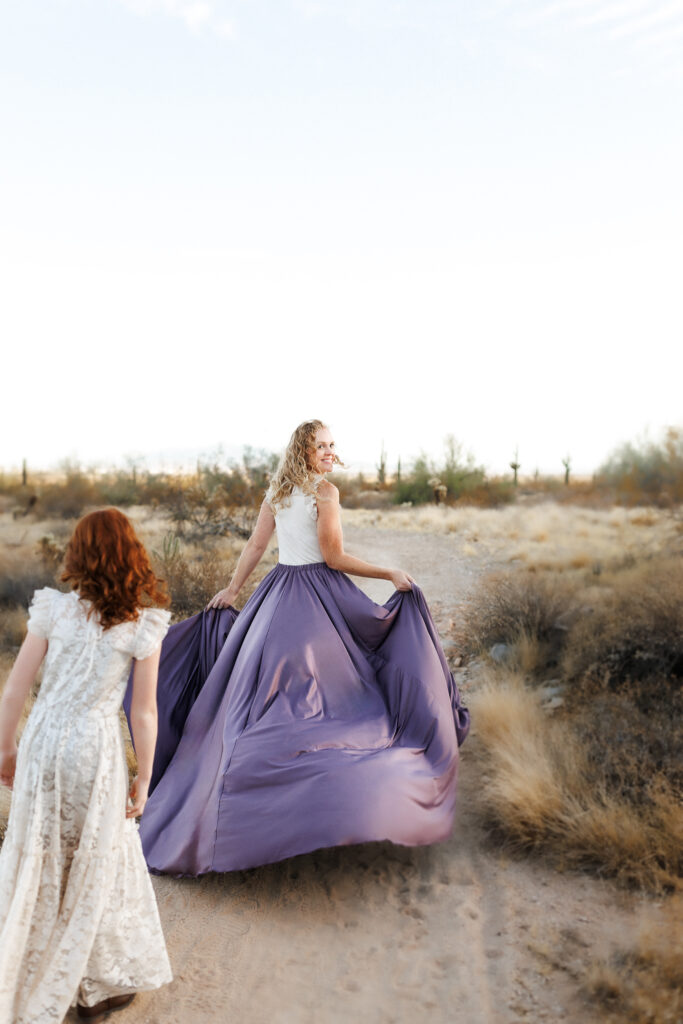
(408, 218)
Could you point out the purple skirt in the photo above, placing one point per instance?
(314, 717)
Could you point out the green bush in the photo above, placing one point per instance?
(457, 480)
(650, 471)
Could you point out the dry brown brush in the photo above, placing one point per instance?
(596, 782)
(191, 582)
(643, 984)
(515, 608)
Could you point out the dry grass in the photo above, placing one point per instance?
(597, 784)
(12, 628)
(22, 571)
(194, 573)
(541, 536)
(541, 792)
(520, 609)
(634, 631)
(644, 983)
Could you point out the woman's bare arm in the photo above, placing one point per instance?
(14, 696)
(252, 554)
(143, 725)
(331, 543)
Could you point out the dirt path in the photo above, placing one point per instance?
(385, 934)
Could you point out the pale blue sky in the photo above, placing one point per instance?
(409, 218)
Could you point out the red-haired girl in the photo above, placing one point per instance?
(78, 918)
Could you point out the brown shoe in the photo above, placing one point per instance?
(100, 1010)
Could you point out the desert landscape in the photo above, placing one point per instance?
(556, 897)
(453, 231)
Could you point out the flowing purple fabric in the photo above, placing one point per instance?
(322, 719)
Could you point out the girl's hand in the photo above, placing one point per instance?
(401, 580)
(223, 598)
(137, 798)
(8, 765)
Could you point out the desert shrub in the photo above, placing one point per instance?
(67, 498)
(487, 494)
(195, 574)
(632, 738)
(540, 791)
(20, 575)
(650, 471)
(70, 493)
(120, 488)
(352, 497)
(220, 500)
(456, 478)
(258, 465)
(508, 606)
(643, 984)
(634, 633)
(191, 581)
(414, 487)
(598, 784)
(51, 552)
(351, 488)
(12, 628)
(200, 511)
(459, 472)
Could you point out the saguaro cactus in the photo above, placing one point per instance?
(567, 463)
(514, 466)
(382, 468)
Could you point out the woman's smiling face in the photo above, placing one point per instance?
(322, 454)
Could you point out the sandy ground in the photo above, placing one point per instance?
(382, 934)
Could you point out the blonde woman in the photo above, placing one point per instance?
(312, 718)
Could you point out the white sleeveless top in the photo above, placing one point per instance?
(296, 524)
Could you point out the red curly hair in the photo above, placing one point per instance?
(106, 563)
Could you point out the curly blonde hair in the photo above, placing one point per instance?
(294, 467)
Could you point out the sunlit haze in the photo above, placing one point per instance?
(410, 219)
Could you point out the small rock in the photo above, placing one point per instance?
(551, 689)
(554, 702)
(500, 652)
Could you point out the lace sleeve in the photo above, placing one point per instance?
(151, 631)
(311, 505)
(40, 612)
(311, 499)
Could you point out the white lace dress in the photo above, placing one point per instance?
(78, 916)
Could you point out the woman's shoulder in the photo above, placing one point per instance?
(140, 637)
(153, 625)
(43, 610)
(46, 594)
(154, 617)
(327, 490)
